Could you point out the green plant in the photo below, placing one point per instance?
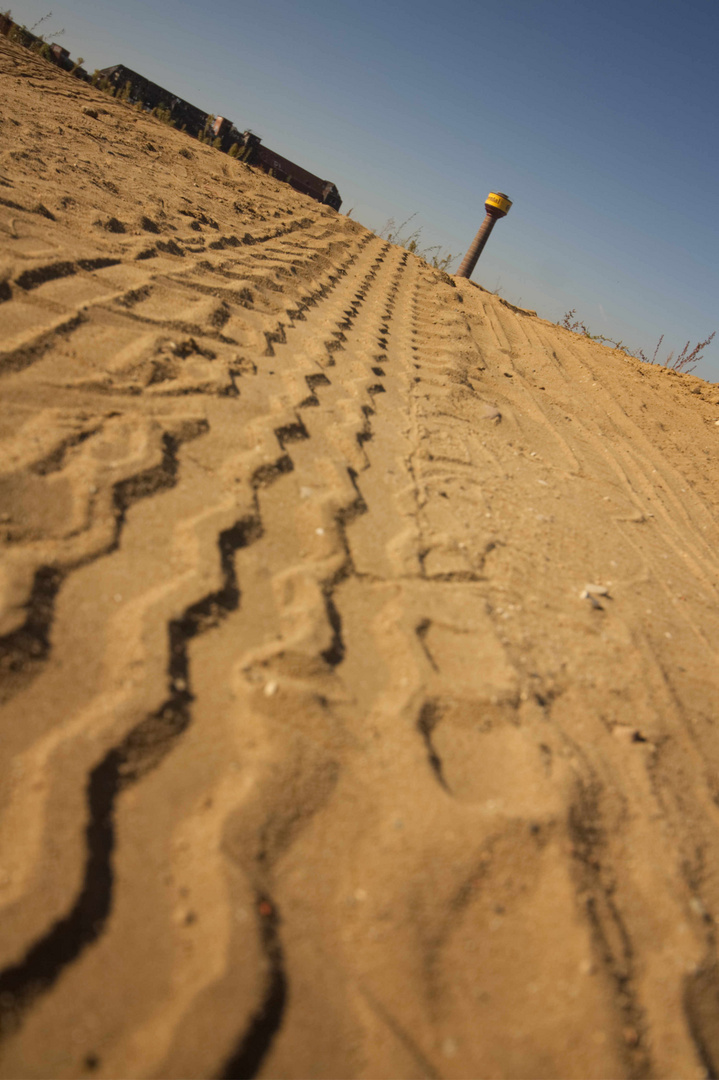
(20, 35)
(102, 82)
(234, 150)
(163, 113)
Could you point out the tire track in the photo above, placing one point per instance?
(24, 651)
(255, 1039)
(141, 751)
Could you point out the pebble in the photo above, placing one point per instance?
(270, 689)
(449, 1047)
(593, 590)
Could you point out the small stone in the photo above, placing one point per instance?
(449, 1047)
(89, 112)
(271, 688)
(697, 906)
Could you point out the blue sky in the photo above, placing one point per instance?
(598, 119)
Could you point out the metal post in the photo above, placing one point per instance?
(497, 206)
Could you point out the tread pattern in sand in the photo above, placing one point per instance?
(318, 763)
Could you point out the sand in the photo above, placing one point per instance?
(358, 644)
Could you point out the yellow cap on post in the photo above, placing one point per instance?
(497, 203)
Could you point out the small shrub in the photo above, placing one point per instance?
(395, 234)
(163, 113)
(234, 150)
(21, 36)
(686, 361)
(39, 22)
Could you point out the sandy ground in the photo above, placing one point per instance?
(317, 762)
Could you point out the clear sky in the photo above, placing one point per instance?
(598, 119)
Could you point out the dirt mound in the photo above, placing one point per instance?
(358, 644)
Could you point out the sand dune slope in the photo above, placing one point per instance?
(319, 759)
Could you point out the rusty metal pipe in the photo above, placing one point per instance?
(497, 206)
(476, 247)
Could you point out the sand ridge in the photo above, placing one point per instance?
(317, 761)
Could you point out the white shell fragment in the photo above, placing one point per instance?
(592, 593)
(594, 590)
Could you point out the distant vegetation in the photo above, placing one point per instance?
(686, 361)
(395, 234)
(23, 35)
